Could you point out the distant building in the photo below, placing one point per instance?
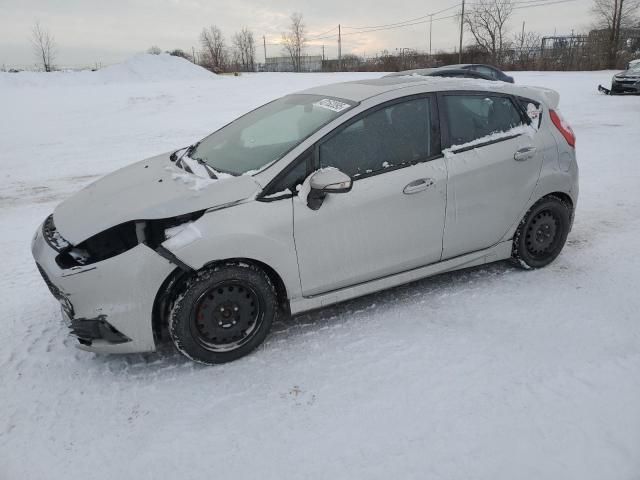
(308, 63)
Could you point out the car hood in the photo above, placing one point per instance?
(632, 74)
(151, 189)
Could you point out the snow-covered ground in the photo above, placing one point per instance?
(492, 373)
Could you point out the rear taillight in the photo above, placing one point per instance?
(563, 127)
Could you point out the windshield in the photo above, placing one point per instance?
(634, 67)
(266, 134)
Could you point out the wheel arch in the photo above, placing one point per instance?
(172, 285)
(565, 197)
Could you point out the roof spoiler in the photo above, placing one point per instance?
(550, 97)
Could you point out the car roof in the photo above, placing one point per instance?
(359, 90)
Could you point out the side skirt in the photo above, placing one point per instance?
(500, 251)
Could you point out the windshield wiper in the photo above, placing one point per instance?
(206, 166)
(185, 166)
(187, 150)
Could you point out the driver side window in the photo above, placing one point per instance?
(393, 136)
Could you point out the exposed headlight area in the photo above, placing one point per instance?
(52, 236)
(113, 241)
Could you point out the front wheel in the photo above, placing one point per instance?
(223, 314)
(542, 233)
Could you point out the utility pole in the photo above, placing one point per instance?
(430, 29)
(339, 48)
(264, 45)
(461, 30)
(193, 55)
(522, 54)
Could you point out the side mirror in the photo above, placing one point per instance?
(327, 180)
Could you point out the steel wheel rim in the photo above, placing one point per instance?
(543, 234)
(226, 316)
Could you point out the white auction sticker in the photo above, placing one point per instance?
(330, 104)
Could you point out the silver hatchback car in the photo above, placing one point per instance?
(312, 199)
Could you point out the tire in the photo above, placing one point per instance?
(223, 313)
(542, 233)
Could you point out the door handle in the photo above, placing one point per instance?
(418, 185)
(524, 154)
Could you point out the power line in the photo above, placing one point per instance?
(315, 37)
(406, 21)
(387, 24)
(393, 26)
(521, 4)
(389, 28)
(542, 4)
(400, 26)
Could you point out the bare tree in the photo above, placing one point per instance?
(487, 22)
(294, 41)
(154, 50)
(44, 46)
(615, 15)
(244, 50)
(214, 54)
(526, 46)
(178, 52)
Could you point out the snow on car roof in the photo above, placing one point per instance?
(360, 90)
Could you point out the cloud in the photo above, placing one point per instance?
(89, 31)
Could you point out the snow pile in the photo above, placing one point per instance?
(197, 175)
(195, 182)
(181, 236)
(153, 68)
(305, 188)
(139, 68)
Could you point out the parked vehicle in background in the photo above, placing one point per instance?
(312, 199)
(468, 70)
(627, 81)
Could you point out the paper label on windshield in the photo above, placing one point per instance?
(333, 105)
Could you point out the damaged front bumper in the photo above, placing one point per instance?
(107, 305)
(625, 86)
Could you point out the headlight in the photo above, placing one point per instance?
(52, 236)
(121, 238)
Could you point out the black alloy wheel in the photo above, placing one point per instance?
(223, 313)
(226, 316)
(542, 233)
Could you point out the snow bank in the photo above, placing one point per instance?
(154, 68)
(139, 68)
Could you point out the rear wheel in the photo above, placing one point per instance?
(223, 314)
(542, 233)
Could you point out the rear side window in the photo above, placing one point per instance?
(390, 137)
(533, 110)
(471, 117)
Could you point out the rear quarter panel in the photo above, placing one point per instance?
(559, 171)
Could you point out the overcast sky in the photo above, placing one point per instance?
(108, 31)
